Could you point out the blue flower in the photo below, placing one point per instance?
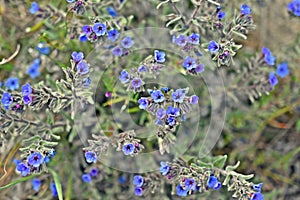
(127, 42)
(268, 57)
(165, 89)
(1, 84)
(36, 184)
(94, 172)
(86, 82)
(143, 103)
(161, 113)
(190, 184)
(111, 11)
(82, 37)
(157, 96)
(70, 1)
(282, 70)
(171, 111)
(136, 83)
(181, 40)
(52, 152)
(159, 56)
(12, 83)
(82, 68)
(178, 95)
(138, 191)
(46, 159)
(90, 157)
(43, 49)
(193, 99)
(87, 30)
(124, 76)
(294, 7)
(113, 35)
(34, 7)
(194, 38)
(164, 168)
(171, 121)
(213, 47)
(6, 100)
(199, 68)
(138, 180)
(257, 196)
(53, 189)
(142, 69)
(122, 179)
(99, 29)
(273, 79)
(189, 63)
(35, 159)
(128, 148)
(27, 99)
(117, 51)
(221, 15)
(257, 187)
(33, 70)
(213, 183)
(180, 191)
(77, 56)
(26, 89)
(86, 178)
(245, 10)
(23, 168)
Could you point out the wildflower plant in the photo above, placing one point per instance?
(101, 104)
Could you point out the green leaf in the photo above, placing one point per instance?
(245, 177)
(173, 21)
(298, 126)
(108, 82)
(232, 168)
(204, 164)
(161, 3)
(220, 161)
(57, 183)
(18, 181)
(226, 180)
(7, 66)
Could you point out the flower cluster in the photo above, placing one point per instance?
(7, 99)
(26, 92)
(82, 67)
(129, 145)
(294, 7)
(138, 182)
(87, 177)
(33, 162)
(94, 32)
(190, 44)
(34, 69)
(223, 50)
(78, 6)
(123, 49)
(168, 106)
(282, 69)
(200, 177)
(134, 80)
(125, 142)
